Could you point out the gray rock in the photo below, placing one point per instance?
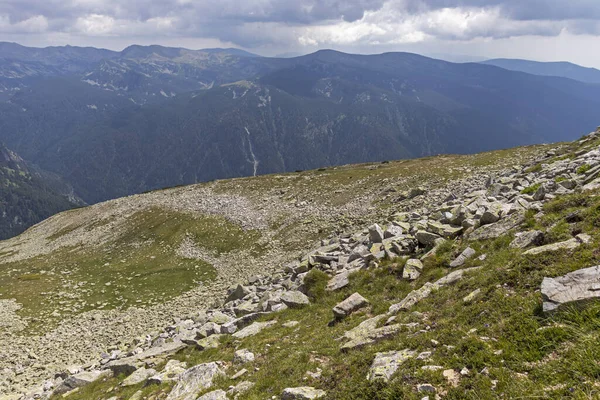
(575, 287)
(497, 229)
(567, 245)
(238, 292)
(462, 258)
(241, 387)
(393, 231)
(170, 372)
(195, 380)
(82, 379)
(370, 336)
(376, 234)
(302, 393)
(386, 364)
(412, 269)
(214, 395)
(412, 298)
(209, 328)
(294, 298)
(243, 356)
(253, 329)
(426, 238)
(444, 230)
(139, 376)
(526, 239)
(339, 281)
(349, 305)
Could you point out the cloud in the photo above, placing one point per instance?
(300, 24)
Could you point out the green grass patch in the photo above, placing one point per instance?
(139, 266)
(531, 189)
(583, 169)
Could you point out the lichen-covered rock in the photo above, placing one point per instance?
(386, 364)
(195, 380)
(412, 269)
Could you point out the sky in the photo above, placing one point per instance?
(457, 30)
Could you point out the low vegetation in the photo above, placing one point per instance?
(500, 339)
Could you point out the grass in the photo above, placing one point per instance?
(510, 348)
(583, 169)
(140, 266)
(531, 189)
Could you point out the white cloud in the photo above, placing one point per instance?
(35, 24)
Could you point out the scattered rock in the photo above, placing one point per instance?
(348, 306)
(462, 258)
(302, 393)
(243, 356)
(253, 329)
(575, 287)
(195, 380)
(294, 299)
(214, 395)
(139, 376)
(526, 239)
(386, 364)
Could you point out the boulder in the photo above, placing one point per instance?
(339, 281)
(294, 299)
(497, 229)
(412, 298)
(444, 230)
(526, 239)
(412, 269)
(170, 372)
(82, 379)
(386, 364)
(462, 258)
(253, 329)
(214, 395)
(139, 376)
(243, 356)
(238, 292)
(376, 234)
(567, 245)
(195, 380)
(370, 336)
(349, 305)
(302, 393)
(426, 238)
(575, 287)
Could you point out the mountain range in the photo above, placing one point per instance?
(117, 123)
(562, 69)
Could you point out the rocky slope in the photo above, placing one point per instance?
(423, 285)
